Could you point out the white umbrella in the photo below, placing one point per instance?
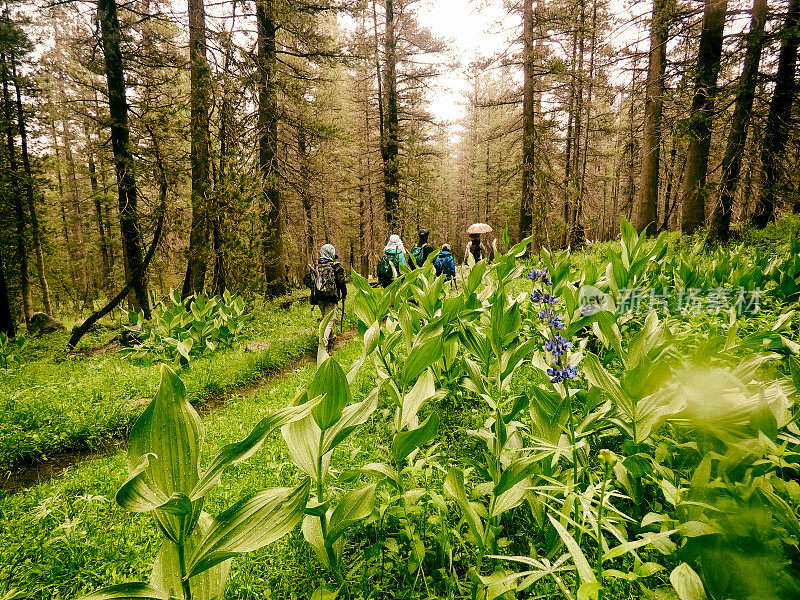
(479, 228)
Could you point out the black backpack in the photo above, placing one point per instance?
(325, 281)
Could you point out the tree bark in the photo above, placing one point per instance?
(305, 193)
(200, 76)
(27, 182)
(719, 226)
(647, 204)
(98, 209)
(271, 226)
(390, 150)
(123, 161)
(16, 198)
(527, 200)
(6, 320)
(702, 115)
(776, 131)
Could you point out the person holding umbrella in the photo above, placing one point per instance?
(475, 246)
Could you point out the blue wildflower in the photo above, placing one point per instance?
(569, 372)
(536, 296)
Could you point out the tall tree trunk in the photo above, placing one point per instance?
(123, 161)
(16, 197)
(199, 251)
(719, 227)
(776, 131)
(570, 143)
(647, 204)
(580, 233)
(305, 192)
(6, 320)
(271, 226)
(27, 182)
(702, 115)
(528, 199)
(98, 208)
(391, 147)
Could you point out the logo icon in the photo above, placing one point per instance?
(591, 300)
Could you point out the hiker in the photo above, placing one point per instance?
(329, 287)
(420, 253)
(393, 254)
(444, 263)
(475, 247)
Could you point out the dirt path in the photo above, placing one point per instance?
(27, 475)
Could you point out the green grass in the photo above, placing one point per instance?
(66, 537)
(57, 401)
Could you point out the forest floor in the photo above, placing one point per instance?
(63, 406)
(64, 535)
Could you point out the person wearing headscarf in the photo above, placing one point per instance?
(393, 254)
(330, 287)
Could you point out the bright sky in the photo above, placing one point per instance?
(471, 29)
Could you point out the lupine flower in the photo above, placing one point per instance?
(569, 372)
(556, 322)
(556, 345)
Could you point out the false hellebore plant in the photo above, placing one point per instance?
(164, 463)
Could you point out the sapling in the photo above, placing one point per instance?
(164, 451)
(311, 442)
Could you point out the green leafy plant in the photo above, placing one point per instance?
(165, 479)
(311, 442)
(9, 350)
(187, 327)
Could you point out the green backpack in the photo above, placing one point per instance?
(385, 272)
(418, 254)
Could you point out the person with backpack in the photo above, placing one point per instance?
(475, 247)
(421, 252)
(394, 255)
(330, 286)
(444, 263)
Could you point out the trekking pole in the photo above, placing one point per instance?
(341, 323)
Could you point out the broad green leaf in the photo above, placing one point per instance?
(312, 533)
(244, 449)
(123, 591)
(517, 470)
(170, 429)
(355, 505)
(371, 337)
(351, 417)
(590, 590)
(302, 439)
(406, 442)
(250, 524)
(454, 487)
(331, 381)
(420, 358)
(585, 572)
(510, 498)
(138, 493)
(687, 583)
(382, 470)
(327, 592)
(646, 540)
(423, 389)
